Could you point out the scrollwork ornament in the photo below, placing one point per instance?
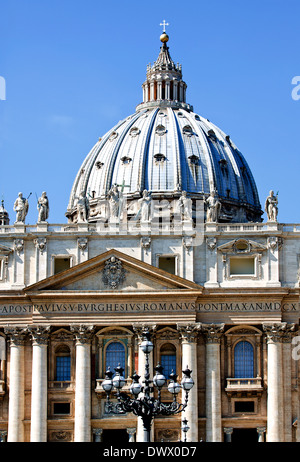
(82, 243)
(189, 332)
(82, 332)
(17, 334)
(19, 246)
(40, 334)
(213, 332)
(41, 244)
(278, 332)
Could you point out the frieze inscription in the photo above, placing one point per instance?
(56, 308)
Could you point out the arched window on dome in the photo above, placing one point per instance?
(115, 355)
(243, 360)
(168, 359)
(62, 364)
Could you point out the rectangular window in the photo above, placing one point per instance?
(63, 368)
(61, 264)
(244, 406)
(61, 408)
(167, 264)
(242, 266)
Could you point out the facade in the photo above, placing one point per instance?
(164, 231)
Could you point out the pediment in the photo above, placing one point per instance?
(4, 250)
(242, 246)
(113, 271)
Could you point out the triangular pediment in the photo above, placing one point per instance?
(4, 250)
(113, 271)
(242, 246)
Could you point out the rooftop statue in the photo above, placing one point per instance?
(144, 210)
(185, 206)
(83, 208)
(21, 207)
(43, 207)
(271, 206)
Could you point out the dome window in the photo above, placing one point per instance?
(187, 130)
(134, 131)
(160, 130)
(126, 160)
(180, 114)
(99, 164)
(113, 136)
(197, 117)
(194, 159)
(212, 134)
(159, 157)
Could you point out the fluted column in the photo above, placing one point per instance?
(275, 333)
(38, 431)
(82, 427)
(213, 382)
(16, 384)
(139, 329)
(189, 336)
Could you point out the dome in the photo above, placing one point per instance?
(166, 148)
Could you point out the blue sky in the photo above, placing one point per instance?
(73, 69)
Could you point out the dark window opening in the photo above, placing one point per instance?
(61, 408)
(61, 264)
(167, 264)
(244, 406)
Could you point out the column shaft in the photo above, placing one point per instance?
(16, 386)
(39, 385)
(213, 384)
(82, 427)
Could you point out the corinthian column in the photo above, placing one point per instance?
(213, 382)
(39, 383)
(16, 384)
(189, 335)
(82, 428)
(276, 334)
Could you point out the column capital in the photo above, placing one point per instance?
(228, 430)
(189, 331)
(140, 328)
(279, 332)
(16, 334)
(213, 332)
(261, 430)
(97, 431)
(82, 332)
(39, 334)
(131, 431)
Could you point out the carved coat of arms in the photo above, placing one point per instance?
(113, 273)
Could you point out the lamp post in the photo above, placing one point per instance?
(146, 407)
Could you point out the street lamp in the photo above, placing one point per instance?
(146, 406)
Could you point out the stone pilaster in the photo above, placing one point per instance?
(213, 333)
(276, 334)
(39, 386)
(16, 383)
(189, 336)
(82, 427)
